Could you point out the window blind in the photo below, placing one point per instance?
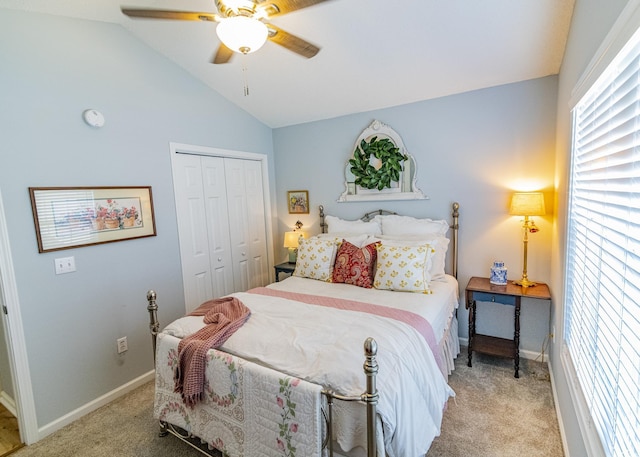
(602, 309)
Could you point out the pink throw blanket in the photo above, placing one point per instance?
(223, 316)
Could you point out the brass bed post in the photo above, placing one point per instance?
(370, 397)
(455, 214)
(323, 224)
(154, 325)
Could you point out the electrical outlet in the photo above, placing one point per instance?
(122, 344)
(65, 265)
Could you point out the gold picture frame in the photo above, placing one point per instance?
(70, 217)
(298, 201)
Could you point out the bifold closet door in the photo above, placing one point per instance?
(245, 201)
(201, 206)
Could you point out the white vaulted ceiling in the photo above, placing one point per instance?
(374, 53)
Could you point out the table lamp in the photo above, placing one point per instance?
(527, 204)
(291, 242)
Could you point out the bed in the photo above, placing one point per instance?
(290, 380)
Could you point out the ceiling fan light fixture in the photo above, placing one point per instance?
(242, 34)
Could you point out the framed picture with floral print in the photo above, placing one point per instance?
(298, 201)
(70, 217)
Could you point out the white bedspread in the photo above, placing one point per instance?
(321, 344)
(437, 307)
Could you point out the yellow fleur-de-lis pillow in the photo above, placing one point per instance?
(404, 268)
(315, 258)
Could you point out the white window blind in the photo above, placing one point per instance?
(602, 312)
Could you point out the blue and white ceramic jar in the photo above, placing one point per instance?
(498, 274)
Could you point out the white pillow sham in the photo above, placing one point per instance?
(357, 227)
(357, 240)
(395, 225)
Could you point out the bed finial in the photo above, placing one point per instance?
(323, 225)
(370, 347)
(154, 325)
(370, 397)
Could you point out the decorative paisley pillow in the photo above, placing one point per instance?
(404, 268)
(315, 259)
(355, 265)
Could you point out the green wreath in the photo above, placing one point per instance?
(384, 150)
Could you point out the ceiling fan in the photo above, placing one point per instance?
(243, 25)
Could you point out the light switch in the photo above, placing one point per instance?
(65, 265)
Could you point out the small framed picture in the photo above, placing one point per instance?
(298, 201)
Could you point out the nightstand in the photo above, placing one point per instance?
(286, 267)
(480, 289)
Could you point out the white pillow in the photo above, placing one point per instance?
(440, 244)
(315, 259)
(358, 227)
(356, 240)
(406, 225)
(403, 268)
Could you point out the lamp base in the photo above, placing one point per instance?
(524, 282)
(293, 255)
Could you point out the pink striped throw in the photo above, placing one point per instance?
(223, 316)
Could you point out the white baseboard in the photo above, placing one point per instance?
(525, 354)
(563, 437)
(8, 403)
(93, 405)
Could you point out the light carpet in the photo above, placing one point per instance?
(493, 415)
(496, 415)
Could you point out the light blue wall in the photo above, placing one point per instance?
(592, 21)
(472, 148)
(51, 69)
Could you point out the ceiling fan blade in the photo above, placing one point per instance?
(292, 42)
(223, 55)
(170, 14)
(280, 7)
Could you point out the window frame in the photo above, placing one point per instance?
(626, 29)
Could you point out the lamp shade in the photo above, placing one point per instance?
(527, 204)
(242, 34)
(291, 239)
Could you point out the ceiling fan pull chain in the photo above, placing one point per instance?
(244, 75)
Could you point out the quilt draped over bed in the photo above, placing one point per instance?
(247, 410)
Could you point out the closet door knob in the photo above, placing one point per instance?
(219, 259)
(244, 254)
